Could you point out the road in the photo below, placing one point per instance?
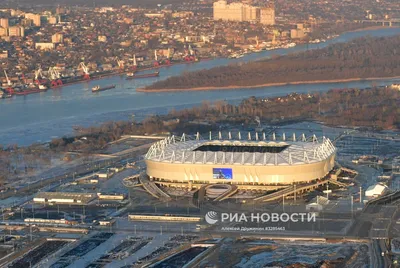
(378, 246)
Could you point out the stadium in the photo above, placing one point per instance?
(252, 161)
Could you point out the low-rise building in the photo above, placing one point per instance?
(317, 203)
(107, 222)
(64, 198)
(102, 38)
(376, 190)
(45, 46)
(105, 173)
(113, 197)
(57, 38)
(4, 54)
(297, 34)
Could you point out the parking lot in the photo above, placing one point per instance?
(35, 256)
(81, 250)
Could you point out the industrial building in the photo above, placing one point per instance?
(64, 198)
(50, 221)
(111, 197)
(251, 161)
(163, 218)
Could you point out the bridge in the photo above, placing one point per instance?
(388, 22)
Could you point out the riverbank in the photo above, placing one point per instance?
(265, 85)
(53, 114)
(149, 68)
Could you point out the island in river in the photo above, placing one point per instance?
(361, 59)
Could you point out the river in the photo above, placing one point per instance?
(41, 117)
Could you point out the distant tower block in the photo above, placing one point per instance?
(267, 15)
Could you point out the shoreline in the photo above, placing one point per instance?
(264, 85)
(149, 68)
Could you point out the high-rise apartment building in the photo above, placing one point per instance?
(238, 11)
(60, 10)
(17, 31)
(36, 18)
(4, 22)
(267, 15)
(251, 13)
(3, 31)
(225, 11)
(53, 19)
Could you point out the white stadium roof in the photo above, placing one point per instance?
(181, 151)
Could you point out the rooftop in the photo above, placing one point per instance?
(85, 197)
(241, 152)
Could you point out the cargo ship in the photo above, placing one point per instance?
(24, 92)
(98, 88)
(130, 76)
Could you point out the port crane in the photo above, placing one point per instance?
(9, 88)
(156, 63)
(168, 59)
(257, 43)
(190, 51)
(85, 70)
(120, 63)
(191, 55)
(55, 77)
(134, 64)
(134, 61)
(39, 77)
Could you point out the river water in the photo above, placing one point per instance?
(41, 117)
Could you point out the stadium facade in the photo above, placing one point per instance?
(251, 161)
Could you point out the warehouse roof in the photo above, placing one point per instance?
(84, 197)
